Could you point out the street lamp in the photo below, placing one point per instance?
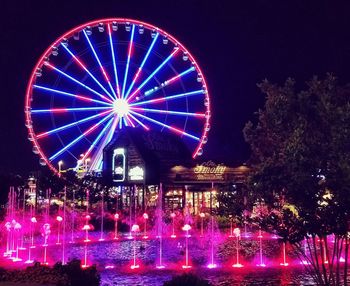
(60, 163)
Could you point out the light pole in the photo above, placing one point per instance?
(60, 163)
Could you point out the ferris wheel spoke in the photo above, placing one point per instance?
(167, 82)
(64, 127)
(137, 90)
(86, 69)
(174, 129)
(113, 59)
(97, 157)
(167, 98)
(162, 111)
(97, 139)
(104, 73)
(138, 121)
(128, 60)
(64, 110)
(142, 64)
(79, 82)
(81, 97)
(76, 140)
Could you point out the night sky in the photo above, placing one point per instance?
(237, 44)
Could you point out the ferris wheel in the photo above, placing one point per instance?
(108, 74)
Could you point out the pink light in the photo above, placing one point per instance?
(109, 267)
(160, 266)
(261, 265)
(135, 228)
(237, 265)
(116, 216)
(211, 266)
(145, 216)
(105, 74)
(172, 215)
(186, 227)
(186, 266)
(134, 267)
(59, 218)
(173, 236)
(33, 220)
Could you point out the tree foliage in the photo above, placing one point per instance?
(301, 167)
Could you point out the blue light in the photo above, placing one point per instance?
(128, 60)
(76, 140)
(142, 64)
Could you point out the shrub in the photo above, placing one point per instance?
(187, 279)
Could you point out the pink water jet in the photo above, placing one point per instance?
(135, 228)
(116, 218)
(186, 228)
(145, 218)
(284, 263)
(173, 215)
(237, 233)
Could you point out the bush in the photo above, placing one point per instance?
(187, 279)
(70, 274)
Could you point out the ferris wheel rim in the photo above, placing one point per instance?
(70, 33)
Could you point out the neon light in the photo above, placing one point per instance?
(85, 68)
(84, 98)
(99, 63)
(76, 140)
(125, 122)
(129, 121)
(128, 60)
(116, 171)
(113, 59)
(138, 121)
(152, 74)
(166, 98)
(59, 110)
(44, 134)
(182, 132)
(168, 112)
(97, 160)
(142, 64)
(87, 153)
(169, 81)
(78, 82)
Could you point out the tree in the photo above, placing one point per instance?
(301, 170)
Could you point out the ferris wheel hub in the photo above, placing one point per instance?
(121, 107)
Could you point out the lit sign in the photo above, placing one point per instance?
(136, 174)
(118, 165)
(209, 171)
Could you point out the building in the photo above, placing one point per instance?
(137, 162)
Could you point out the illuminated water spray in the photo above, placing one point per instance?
(237, 233)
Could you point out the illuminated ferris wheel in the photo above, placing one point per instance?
(105, 75)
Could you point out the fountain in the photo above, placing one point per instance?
(261, 262)
(145, 218)
(46, 232)
(237, 233)
(173, 215)
(159, 214)
(284, 263)
(102, 215)
(116, 217)
(212, 264)
(186, 228)
(59, 221)
(73, 217)
(231, 226)
(202, 216)
(135, 228)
